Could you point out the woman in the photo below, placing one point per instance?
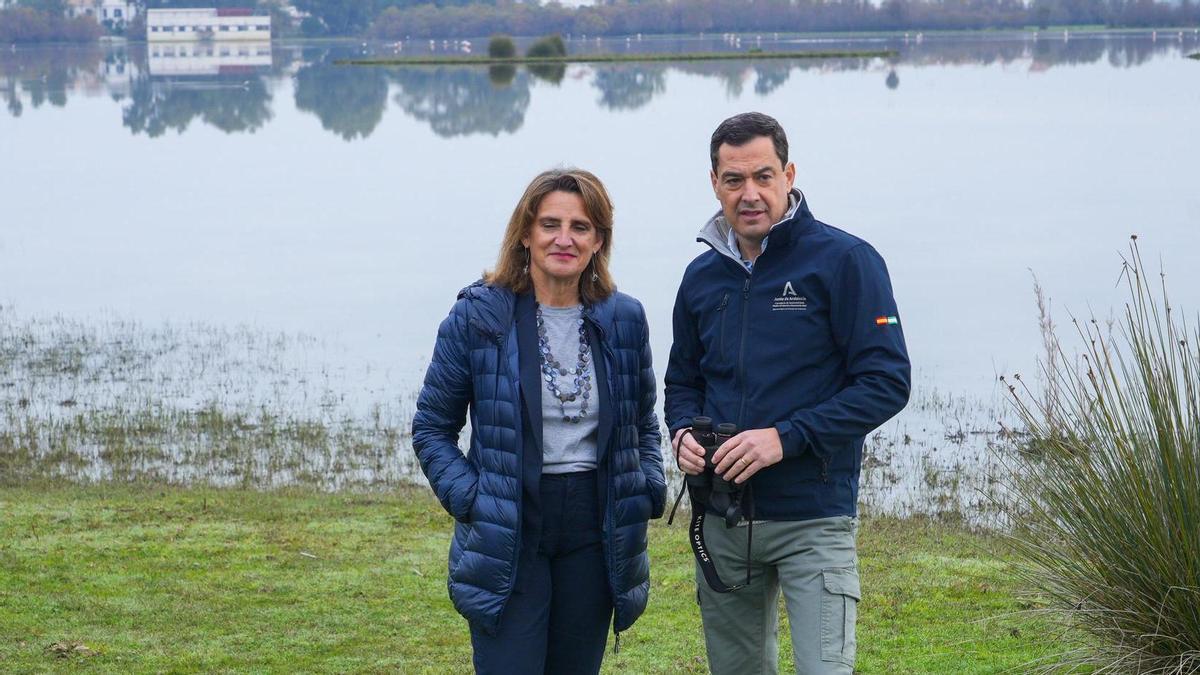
(564, 469)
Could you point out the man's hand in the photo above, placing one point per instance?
(688, 453)
(746, 454)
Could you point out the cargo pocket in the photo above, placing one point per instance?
(839, 611)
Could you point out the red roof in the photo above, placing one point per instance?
(235, 11)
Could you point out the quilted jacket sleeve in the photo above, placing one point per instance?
(649, 433)
(441, 415)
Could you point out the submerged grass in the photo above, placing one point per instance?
(616, 58)
(113, 400)
(146, 578)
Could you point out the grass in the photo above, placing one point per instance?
(146, 578)
(614, 58)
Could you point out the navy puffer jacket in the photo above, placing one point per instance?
(474, 369)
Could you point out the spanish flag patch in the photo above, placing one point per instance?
(886, 321)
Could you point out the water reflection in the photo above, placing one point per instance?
(629, 87)
(37, 77)
(223, 85)
(348, 101)
(458, 101)
(229, 86)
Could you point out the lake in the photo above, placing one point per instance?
(194, 230)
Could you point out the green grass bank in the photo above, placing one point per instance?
(611, 58)
(136, 578)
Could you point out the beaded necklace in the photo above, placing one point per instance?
(552, 370)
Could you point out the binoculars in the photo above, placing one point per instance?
(725, 497)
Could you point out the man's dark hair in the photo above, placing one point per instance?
(741, 129)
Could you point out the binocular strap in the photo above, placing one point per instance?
(699, 499)
(700, 550)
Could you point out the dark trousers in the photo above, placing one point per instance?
(557, 618)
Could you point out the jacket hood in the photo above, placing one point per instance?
(715, 232)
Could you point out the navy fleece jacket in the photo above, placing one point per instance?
(809, 342)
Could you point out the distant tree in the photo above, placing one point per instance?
(547, 47)
(51, 7)
(341, 17)
(25, 24)
(502, 47)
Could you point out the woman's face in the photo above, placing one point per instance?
(561, 240)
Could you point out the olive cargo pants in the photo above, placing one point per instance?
(814, 563)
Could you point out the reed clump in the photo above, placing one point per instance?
(1107, 501)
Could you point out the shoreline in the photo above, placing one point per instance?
(612, 58)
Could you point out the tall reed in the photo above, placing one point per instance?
(1106, 495)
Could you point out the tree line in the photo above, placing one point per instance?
(45, 21)
(33, 20)
(397, 19)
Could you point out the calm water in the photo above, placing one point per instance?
(271, 188)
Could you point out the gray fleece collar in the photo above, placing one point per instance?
(715, 232)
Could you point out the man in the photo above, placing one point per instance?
(787, 328)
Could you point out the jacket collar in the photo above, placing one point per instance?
(493, 310)
(715, 232)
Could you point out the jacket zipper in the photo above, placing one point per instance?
(741, 371)
(721, 313)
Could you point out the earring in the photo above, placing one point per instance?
(525, 270)
(595, 277)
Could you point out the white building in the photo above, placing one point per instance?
(185, 25)
(110, 12)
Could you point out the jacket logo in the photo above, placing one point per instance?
(886, 321)
(789, 301)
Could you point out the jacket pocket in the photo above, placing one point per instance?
(839, 612)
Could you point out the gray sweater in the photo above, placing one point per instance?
(567, 446)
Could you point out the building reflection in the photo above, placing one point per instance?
(209, 59)
(221, 84)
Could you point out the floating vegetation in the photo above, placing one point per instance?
(1194, 56)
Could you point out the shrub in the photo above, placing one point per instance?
(1107, 509)
(502, 47)
(550, 46)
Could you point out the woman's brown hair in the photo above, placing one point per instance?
(511, 265)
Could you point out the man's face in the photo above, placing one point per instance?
(752, 186)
